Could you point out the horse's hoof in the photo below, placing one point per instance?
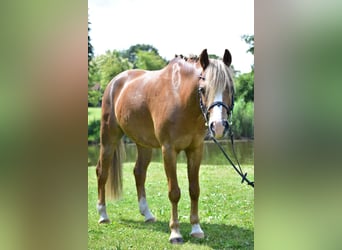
(198, 235)
(176, 241)
(150, 220)
(104, 221)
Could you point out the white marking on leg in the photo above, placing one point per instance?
(175, 234)
(196, 231)
(144, 210)
(103, 214)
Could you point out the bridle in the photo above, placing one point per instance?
(206, 110)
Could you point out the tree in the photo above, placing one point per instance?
(102, 70)
(244, 83)
(131, 53)
(249, 39)
(110, 64)
(243, 114)
(244, 87)
(94, 79)
(149, 60)
(93, 76)
(90, 47)
(243, 119)
(213, 56)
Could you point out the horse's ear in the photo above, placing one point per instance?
(204, 59)
(227, 58)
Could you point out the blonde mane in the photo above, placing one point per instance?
(218, 77)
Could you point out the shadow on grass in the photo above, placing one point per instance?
(217, 236)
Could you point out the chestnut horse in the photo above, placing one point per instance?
(168, 109)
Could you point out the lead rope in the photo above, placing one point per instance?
(239, 171)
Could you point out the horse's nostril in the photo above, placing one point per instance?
(212, 126)
(225, 124)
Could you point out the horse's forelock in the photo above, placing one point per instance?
(218, 78)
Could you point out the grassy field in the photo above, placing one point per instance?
(226, 209)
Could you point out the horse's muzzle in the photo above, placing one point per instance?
(219, 129)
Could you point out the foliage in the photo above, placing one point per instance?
(94, 131)
(94, 117)
(90, 47)
(110, 64)
(94, 77)
(249, 39)
(149, 60)
(226, 209)
(213, 56)
(235, 72)
(94, 98)
(243, 114)
(103, 68)
(94, 114)
(244, 87)
(131, 53)
(243, 119)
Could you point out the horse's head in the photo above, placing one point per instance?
(216, 91)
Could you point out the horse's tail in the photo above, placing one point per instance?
(114, 181)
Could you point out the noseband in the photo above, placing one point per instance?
(205, 110)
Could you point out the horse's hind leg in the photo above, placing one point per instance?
(102, 169)
(144, 158)
(109, 140)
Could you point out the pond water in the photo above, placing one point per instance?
(212, 154)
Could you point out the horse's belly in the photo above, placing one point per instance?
(144, 137)
(138, 126)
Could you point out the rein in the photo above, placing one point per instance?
(205, 112)
(239, 171)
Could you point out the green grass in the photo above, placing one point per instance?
(226, 210)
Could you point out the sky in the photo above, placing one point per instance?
(174, 27)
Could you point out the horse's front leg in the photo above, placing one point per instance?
(144, 158)
(194, 157)
(170, 158)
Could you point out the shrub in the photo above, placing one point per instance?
(243, 119)
(94, 131)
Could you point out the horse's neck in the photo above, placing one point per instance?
(189, 92)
